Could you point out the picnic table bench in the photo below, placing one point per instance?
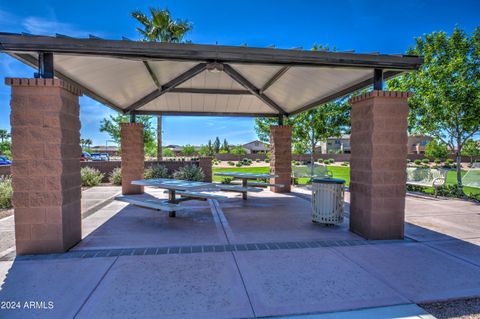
(309, 171)
(248, 180)
(426, 177)
(187, 190)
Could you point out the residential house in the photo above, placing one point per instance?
(256, 147)
(339, 144)
(416, 143)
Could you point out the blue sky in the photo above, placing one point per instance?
(364, 26)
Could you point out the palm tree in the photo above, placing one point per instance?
(161, 27)
(4, 135)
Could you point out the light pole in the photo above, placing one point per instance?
(106, 148)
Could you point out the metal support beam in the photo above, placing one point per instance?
(32, 61)
(188, 113)
(274, 78)
(167, 87)
(378, 79)
(45, 65)
(252, 88)
(211, 91)
(152, 74)
(133, 118)
(338, 94)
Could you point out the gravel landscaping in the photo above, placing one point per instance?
(455, 309)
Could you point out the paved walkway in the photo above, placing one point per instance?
(256, 258)
(93, 199)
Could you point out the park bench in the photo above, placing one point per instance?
(155, 204)
(309, 171)
(199, 196)
(472, 177)
(263, 184)
(238, 188)
(426, 177)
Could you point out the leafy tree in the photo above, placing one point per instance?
(225, 146)
(446, 90)
(205, 150)
(168, 152)
(471, 149)
(216, 145)
(436, 149)
(4, 135)
(188, 150)
(238, 150)
(262, 126)
(5, 149)
(317, 124)
(161, 27)
(111, 126)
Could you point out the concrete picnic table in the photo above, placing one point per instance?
(174, 185)
(245, 177)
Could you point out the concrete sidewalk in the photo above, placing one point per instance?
(93, 199)
(237, 259)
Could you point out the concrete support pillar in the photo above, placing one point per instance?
(205, 163)
(133, 157)
(281, 157)
(378, 164)
(46, 165)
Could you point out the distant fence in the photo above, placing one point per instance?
(336, 157)
(106, 167)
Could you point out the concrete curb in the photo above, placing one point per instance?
(92, 210)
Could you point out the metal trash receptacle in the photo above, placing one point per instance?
(327, 200)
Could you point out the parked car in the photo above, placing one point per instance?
(5, 161)
(100, 157)
(85, 157)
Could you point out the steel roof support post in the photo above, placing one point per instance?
(378, 79)
(280, 119)
(45, 65)
(133, 118)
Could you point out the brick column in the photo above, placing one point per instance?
(46, 165)
(378, 164)
(281, 157)
(133, 158)
(205, 163)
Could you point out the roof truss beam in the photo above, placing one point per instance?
(343, 92)
(32, 61)
(152, 74)
(187, 113)
(252, 88)
(274, 78)
(167, 87)
(211, 91)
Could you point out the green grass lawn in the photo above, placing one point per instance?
(337, 171)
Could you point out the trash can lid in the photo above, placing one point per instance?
(326, 180)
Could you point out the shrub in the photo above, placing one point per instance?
(91, 176)
(449, 161)
(425, 161)
(227, 180)
(437, 161)
(326, 162)
(156, 171)
(189, 173)
(116, 176)
(239, 164)
(331, 160)
(267, 160)
(345, 164)
(417, 162)
(257, 160)
(230, 163)
(6, 192)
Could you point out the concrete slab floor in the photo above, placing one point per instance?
(308, 281)
(418, 272)
(409, 311)
(59, 287)
(175, 286)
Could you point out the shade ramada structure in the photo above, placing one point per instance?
(192, 79)
(149, 78)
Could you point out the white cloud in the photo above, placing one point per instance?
(38, 25)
